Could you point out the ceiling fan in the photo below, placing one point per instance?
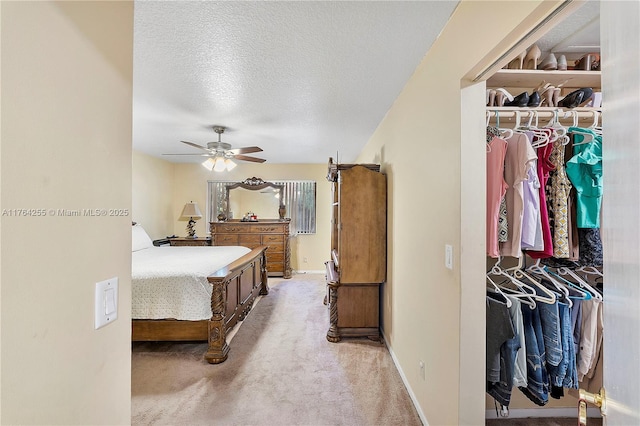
(221, 155)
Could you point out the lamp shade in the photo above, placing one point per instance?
(191, 211)
(219, 164)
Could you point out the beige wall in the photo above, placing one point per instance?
(66, 144)
(419, 144)
(161, 188)
(152, 194)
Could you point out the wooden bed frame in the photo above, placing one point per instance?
(235, 287)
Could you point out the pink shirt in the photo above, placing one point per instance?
(496, 189)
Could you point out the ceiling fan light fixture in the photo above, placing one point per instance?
(209, 163)
(229, 164)
(219, 165)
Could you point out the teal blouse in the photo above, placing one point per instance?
(584, 170)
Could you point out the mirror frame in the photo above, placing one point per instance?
(255, 184)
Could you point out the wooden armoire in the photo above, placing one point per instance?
(358, 250)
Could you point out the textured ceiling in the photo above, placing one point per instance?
(303, 80)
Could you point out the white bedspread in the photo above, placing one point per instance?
(171, 282)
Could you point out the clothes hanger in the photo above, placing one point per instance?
(590, 270)
(540, 270)
(527, 299)
(519, 273)
(557, 127)
(582, 283)
(522, 288)
(588, 135)
(542, 137)
(508, 133)
(596, 119)
(487, 143)
(584, 295)
(498, 290)
(551, 296)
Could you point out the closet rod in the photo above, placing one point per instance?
(543, 113)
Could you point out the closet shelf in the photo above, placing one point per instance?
(531, 79)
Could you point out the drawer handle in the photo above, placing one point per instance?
(266, 229)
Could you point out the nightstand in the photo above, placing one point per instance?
(181, 242)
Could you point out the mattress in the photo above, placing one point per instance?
(171, 282)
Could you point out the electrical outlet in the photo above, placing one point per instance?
(304, 260)
(422, 373)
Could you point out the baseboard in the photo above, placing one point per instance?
(405, 381)
(310, 272)
(521, 413)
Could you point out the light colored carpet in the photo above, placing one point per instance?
(281, 370)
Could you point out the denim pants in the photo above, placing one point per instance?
(537, 389)
(550, 320)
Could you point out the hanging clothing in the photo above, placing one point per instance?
(531, 217)
(520, 367)
(499, 330)
(518, 160)
(496, 190)
(557, 199)
(537, 389)
(590, 247)
(503, 227)
(545, 166)
(501, 390)
(584, 170)
(589, 336)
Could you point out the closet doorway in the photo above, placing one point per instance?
(620, 228)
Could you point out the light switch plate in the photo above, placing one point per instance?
(106, 302)
(448, 256)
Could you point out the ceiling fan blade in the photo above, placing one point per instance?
(197, 155)
(248, 158)
(246, 150)
(195, 145)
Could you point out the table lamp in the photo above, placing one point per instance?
(191, 212)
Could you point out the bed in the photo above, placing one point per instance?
(193, 293)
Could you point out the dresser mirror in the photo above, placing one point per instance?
(256, 196)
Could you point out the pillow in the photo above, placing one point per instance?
(139, 238)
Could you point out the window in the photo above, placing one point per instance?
(299, 199)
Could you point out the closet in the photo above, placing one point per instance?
(544, 248)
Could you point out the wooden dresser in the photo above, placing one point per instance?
(272, 233)
(358, 250)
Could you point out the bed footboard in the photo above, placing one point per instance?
(235, 288)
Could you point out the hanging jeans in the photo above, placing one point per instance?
(537, 389)
(550, 320)
(564, 375)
